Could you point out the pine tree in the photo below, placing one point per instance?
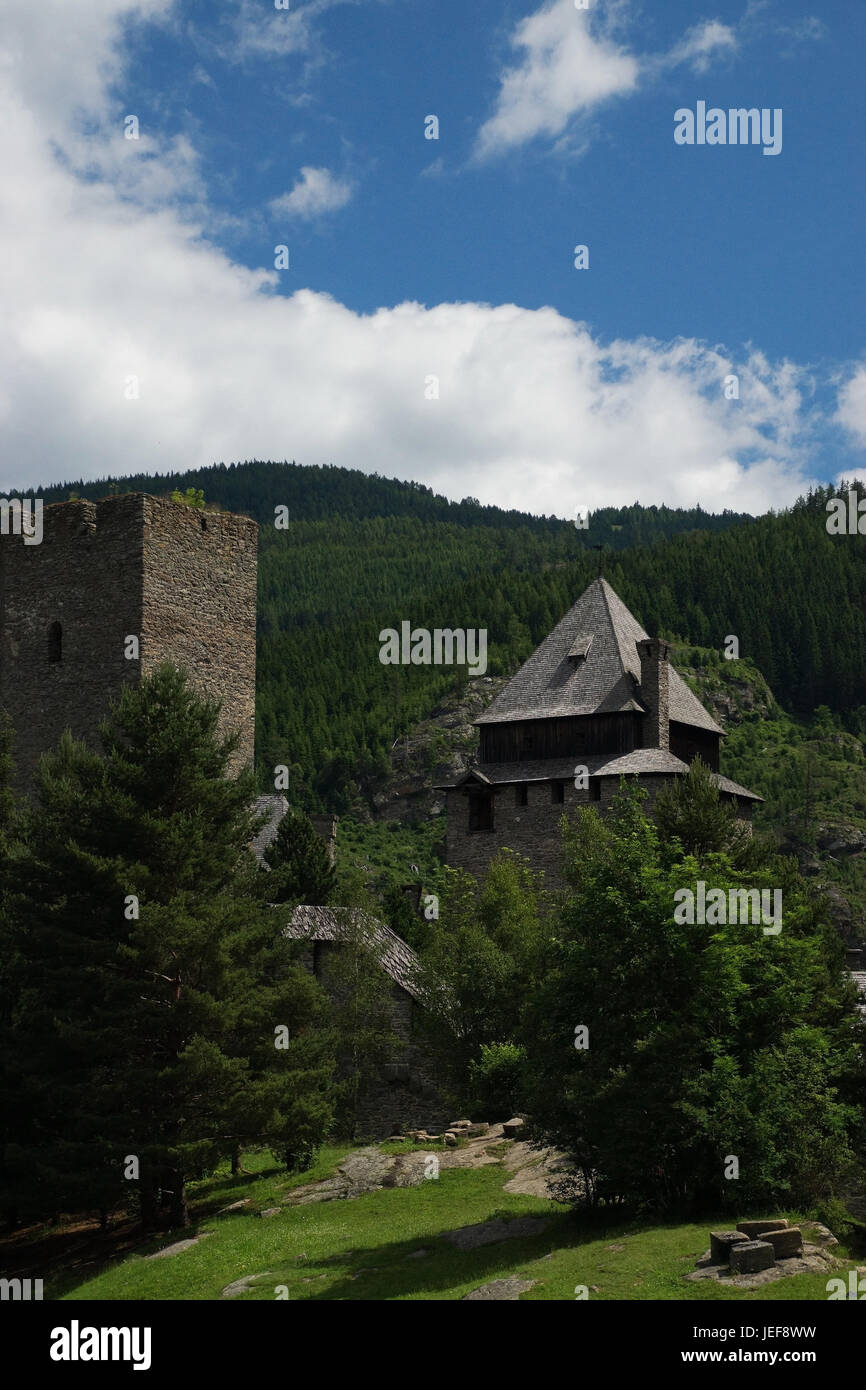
(690, 809)
(300, 866)
(153, 983)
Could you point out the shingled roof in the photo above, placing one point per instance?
(639, 762)
(558, 681)
(334, 923)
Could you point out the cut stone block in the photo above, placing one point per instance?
(721, 1243)
(752, 1256)
(755, 1229)
(787, 1244)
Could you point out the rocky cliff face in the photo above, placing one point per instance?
(434, 750)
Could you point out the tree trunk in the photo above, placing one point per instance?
(179, 1212)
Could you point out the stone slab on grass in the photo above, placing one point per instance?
(501, 1290)
(755, 1229)
(814, 1260)
(175, 1249)
(751, 1257)
(489, 1232)
(721, 1244)
(787, 1243)
(239, 1286)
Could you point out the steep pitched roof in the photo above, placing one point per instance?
(333, 923)
(557, 681)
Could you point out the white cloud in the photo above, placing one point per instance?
(851, 412)
(260, 30)
(564, 71)
(316, 191)
(571, 63)
(700, 43)
(108, 276)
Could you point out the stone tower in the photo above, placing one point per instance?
(597, 701)
(183, 581)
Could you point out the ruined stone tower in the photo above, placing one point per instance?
(183, 581)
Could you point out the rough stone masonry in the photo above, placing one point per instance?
(181, 580)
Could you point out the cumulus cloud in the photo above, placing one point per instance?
(570, 63)
(564, 70)
(103, 280)
(316, 191)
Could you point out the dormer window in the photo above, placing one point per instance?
(580, 650)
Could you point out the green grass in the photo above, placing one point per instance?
(359, 1249)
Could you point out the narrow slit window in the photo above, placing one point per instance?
(557, 793)
(55, 642)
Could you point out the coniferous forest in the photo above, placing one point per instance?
(361, 554)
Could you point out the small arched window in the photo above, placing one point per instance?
(55, 642)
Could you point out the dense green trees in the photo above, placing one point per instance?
(482, 963)
(721, 1066)
(159, 1022)
(299, 866)
(364, 553)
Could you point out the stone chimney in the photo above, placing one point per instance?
(654, 678)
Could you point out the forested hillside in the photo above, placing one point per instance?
(362, 554)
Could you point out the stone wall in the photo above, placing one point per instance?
(532, 830)
(182, 580)
(404, 1093)
(199, 607)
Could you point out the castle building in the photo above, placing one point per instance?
(405, 1090)
(598, 700)
(179, 580)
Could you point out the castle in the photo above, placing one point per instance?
(598, 697)
(179, 580)
(598, 700)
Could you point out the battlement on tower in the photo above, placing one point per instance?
(182, 581)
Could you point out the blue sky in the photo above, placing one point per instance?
(721, 243)
(414, 259)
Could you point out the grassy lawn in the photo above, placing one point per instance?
(360, 1249)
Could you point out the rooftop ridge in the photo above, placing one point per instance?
(549, 686)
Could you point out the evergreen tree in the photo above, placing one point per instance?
(152, 987)
(300, 865)
(690, 810)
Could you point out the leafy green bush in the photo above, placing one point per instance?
(496, 1079)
